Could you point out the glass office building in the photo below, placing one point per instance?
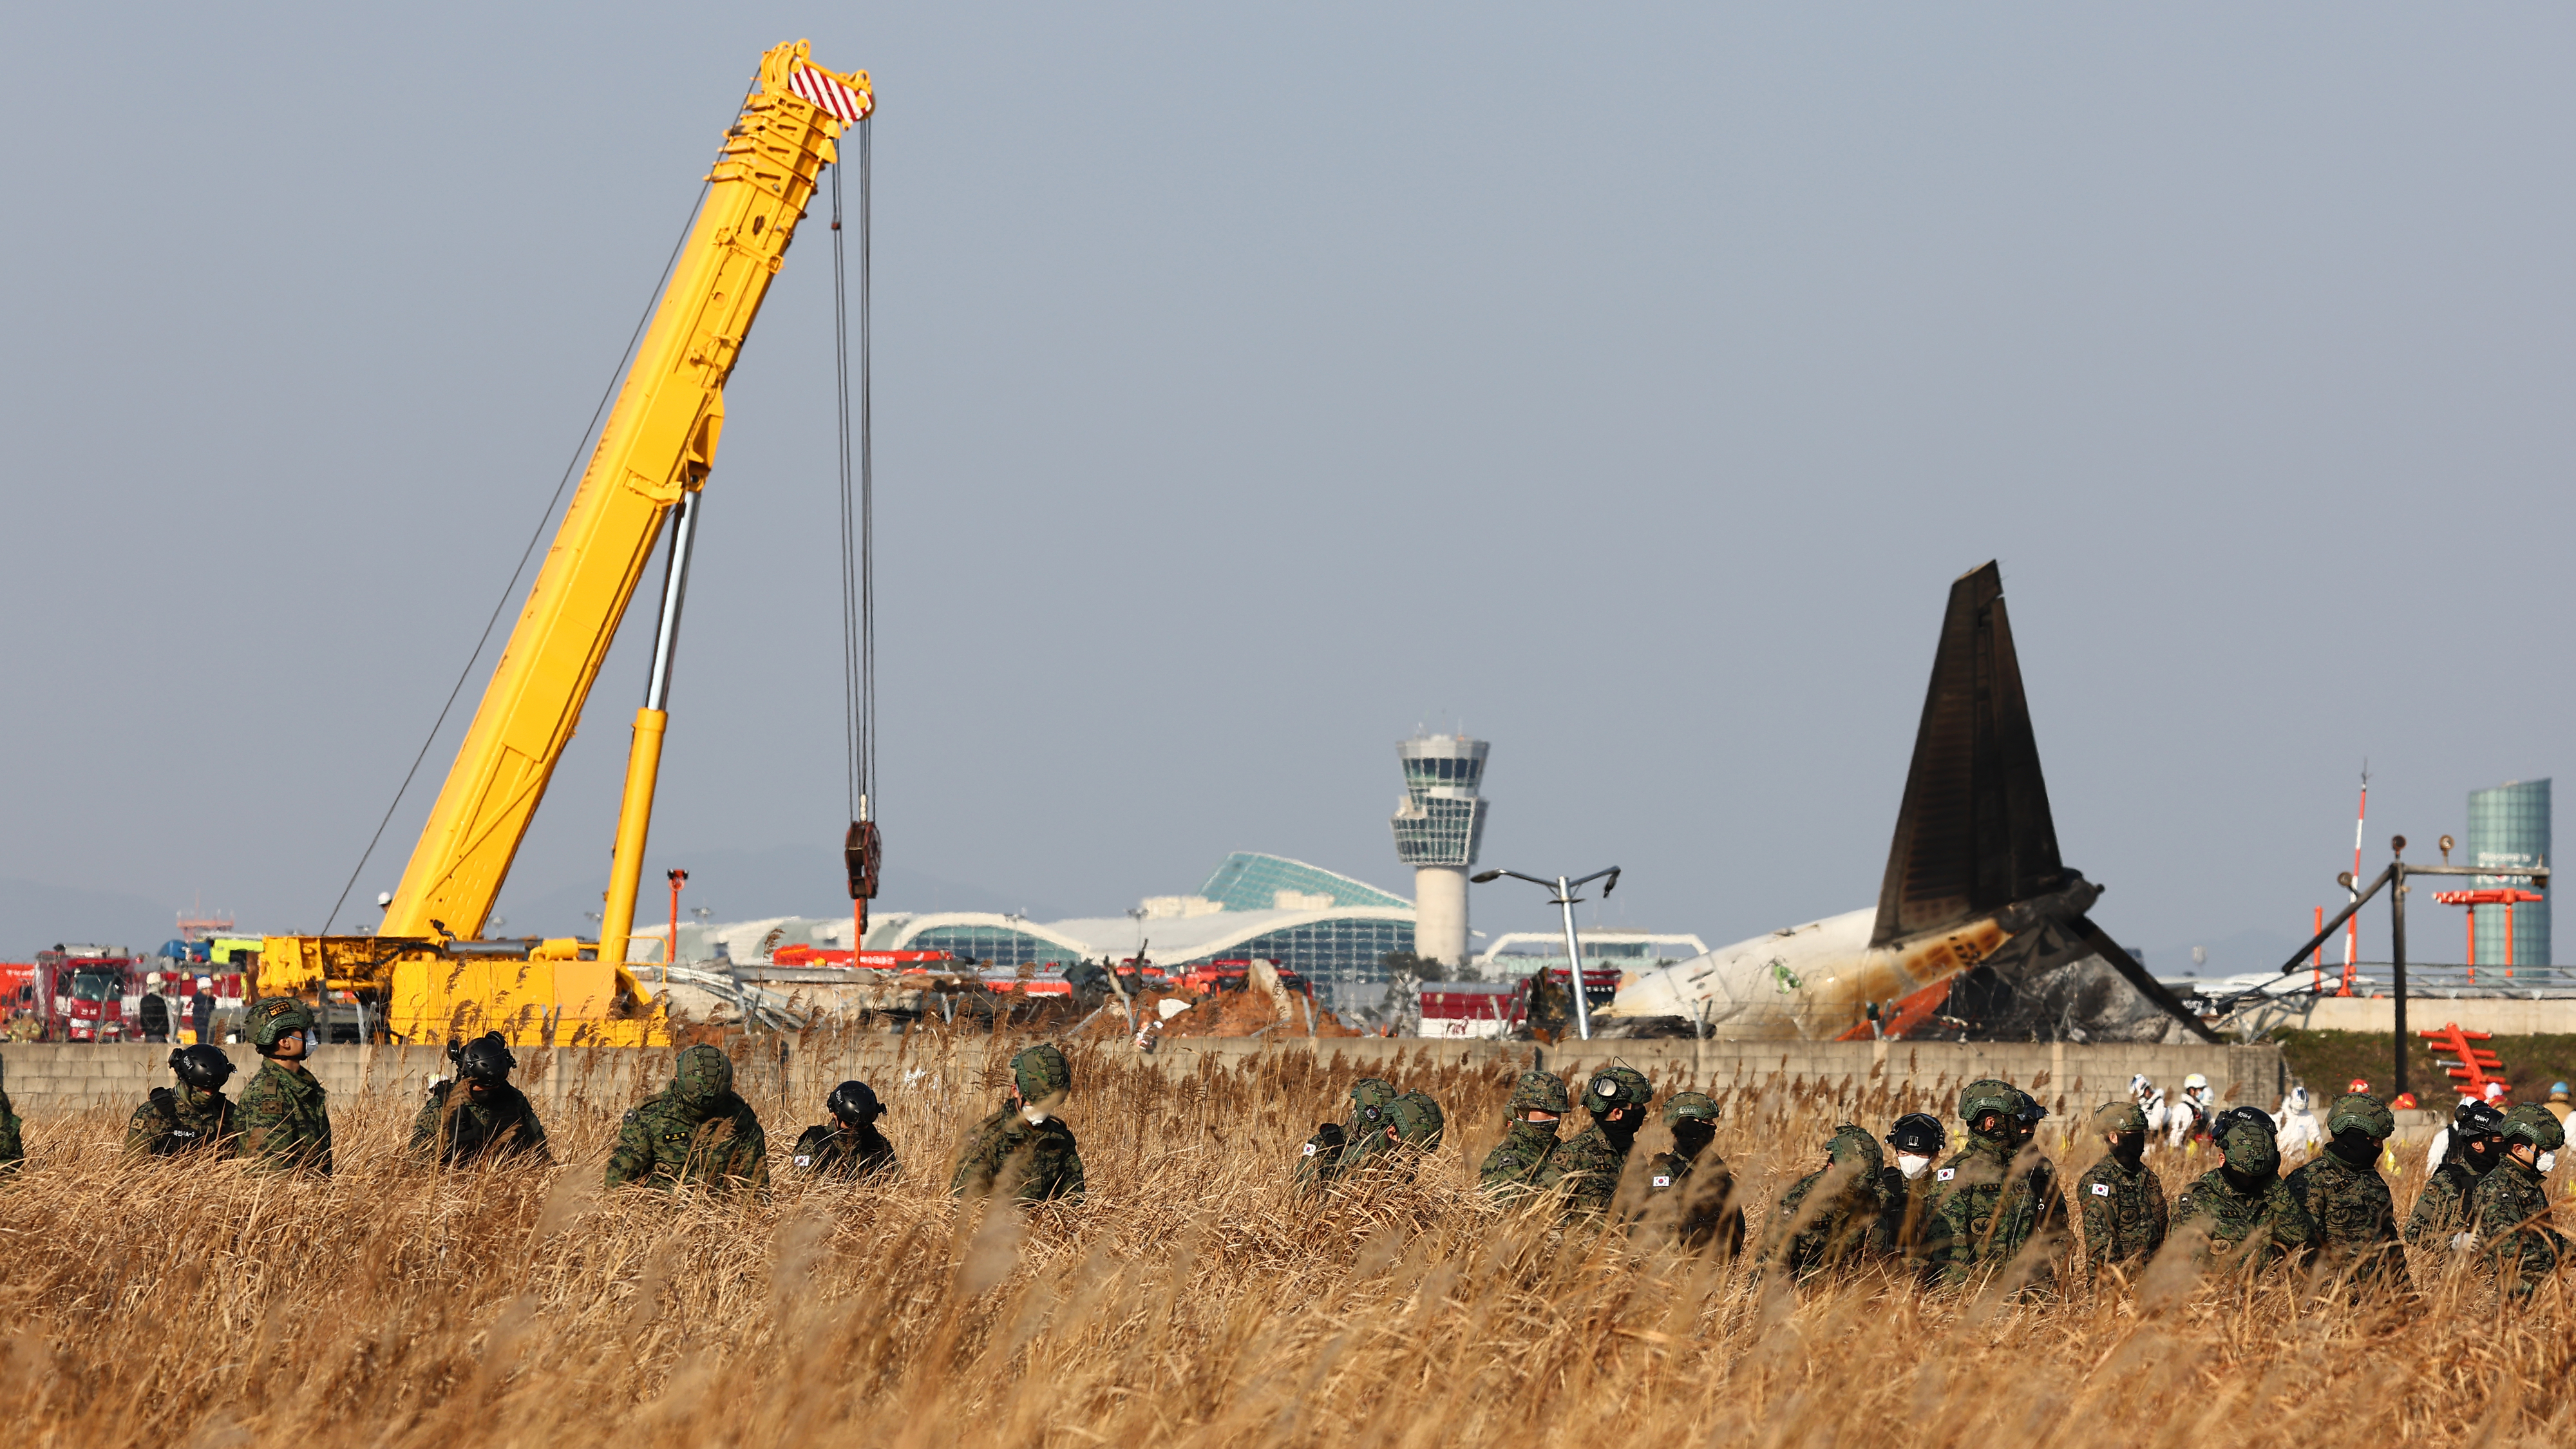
(2509, 826)
(1249, 881)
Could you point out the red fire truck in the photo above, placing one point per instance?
(79, 992)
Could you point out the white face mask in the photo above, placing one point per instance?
(2548, 1161)
(1911, 1165)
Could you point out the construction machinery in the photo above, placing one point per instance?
(425, 972)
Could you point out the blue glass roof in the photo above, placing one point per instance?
(1250, 881)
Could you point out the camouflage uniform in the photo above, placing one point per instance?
(2342, 1190)
(2442, 1208)
(458, 1126)
(1988, 1203)
(837, 1150)
(2122, 1202)
(13, 1148)
(1836, 1216)
(1024, 1150)
(1911, 1201)
(1589, 1167)
(1512, 1168)
(187, 1120)
(695, 1131)
(1411, 1131)
(284, 1115)
(2510, 1207)
(1321, 1160)
(2249, 1216)
(1692, 1184)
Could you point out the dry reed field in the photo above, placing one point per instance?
(1190, 1300)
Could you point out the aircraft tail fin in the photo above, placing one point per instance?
(1974, 834)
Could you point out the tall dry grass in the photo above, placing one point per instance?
(1189, 1301)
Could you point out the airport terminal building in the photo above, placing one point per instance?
(1333, 930)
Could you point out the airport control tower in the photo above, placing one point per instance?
(1438, 830)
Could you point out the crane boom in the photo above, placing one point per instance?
(653, 457)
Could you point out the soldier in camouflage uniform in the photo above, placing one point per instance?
(849, 1147)
(13, 1147)
(479, 1114)
(693, 1132)
(1906, 1183)
(1512, 1168)
(2240, 1217)
(196, 1118)
(1321, 1160)
(1836, 1216)
(1588, 1168)
(2510, 1207)
(1692, 1184)
(2441, 1215)
(2348, 1200)
(1395, 1151)
(285, 1115)
(1024, 1151)
(1991, 1203)
(2122, 1203)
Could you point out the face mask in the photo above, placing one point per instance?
(2354, 1146)
(2548, 1160)
(2131, 1147)
(1911, 1165)
(1033, 1115)
(1691, 1136)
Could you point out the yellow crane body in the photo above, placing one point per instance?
(425, 965)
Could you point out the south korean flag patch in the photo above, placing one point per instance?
(2101, 1189)
(1310, 1149)
(1945, 1174)
(1663, 1181)
(804, 1162)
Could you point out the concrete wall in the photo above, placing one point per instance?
(2500, 1015)
(61, 1076)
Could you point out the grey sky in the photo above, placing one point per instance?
(1626, 384)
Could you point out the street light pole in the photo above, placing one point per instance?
(1565, 900)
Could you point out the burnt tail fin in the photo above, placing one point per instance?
(1974, 833)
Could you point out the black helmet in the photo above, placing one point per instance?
(854, 1103)
(2476, 1120)
(202, 1067)
(1918, 1133)
(486, 1058)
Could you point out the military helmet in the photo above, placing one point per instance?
(1988, 1095)
(2119, 1117)
(1689, 1107)
(702, 1074)
(1417, 1120)
(1852, 1147)
(205, 1068)
(1372, 1092)
(486, 1058)
(2249, 1139)
(1041, 1073)
(1613, 1087)
(1538, 1091)
(855, 1103)
(2359, 1110)
(1919, 1134)
(272, 1019)
(2475, 1120)
(2535, 1125)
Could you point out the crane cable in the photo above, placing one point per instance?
(509, 590)
(858, 549)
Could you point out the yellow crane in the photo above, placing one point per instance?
(425, 968)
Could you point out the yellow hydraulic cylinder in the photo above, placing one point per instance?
(634, 826)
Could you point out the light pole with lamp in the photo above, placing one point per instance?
(1566, 900)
